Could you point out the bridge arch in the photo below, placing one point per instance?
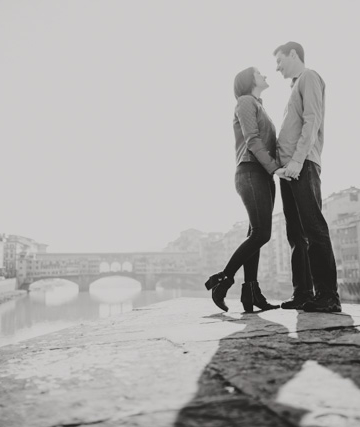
(50, 282)
(113, 274)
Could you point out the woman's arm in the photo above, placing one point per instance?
(246, 112)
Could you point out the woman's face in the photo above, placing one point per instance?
(260, 80)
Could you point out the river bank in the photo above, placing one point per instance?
(10, 295)
(9, 291)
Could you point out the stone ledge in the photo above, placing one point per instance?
(183, 363)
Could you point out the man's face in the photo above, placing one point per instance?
(284, 64)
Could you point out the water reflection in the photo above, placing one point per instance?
(56, 304)
(113, 291)
(115, 296)
(53, 292)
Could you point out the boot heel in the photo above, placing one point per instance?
(247, 297)
(248, 307)
(209, 285)
(214, 280)
(259, 299)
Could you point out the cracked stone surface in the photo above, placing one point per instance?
(183, 363)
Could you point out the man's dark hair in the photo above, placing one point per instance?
(287, 47)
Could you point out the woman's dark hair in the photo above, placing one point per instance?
(287, 47)
(244, 82)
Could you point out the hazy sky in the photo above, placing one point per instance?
(116, 116)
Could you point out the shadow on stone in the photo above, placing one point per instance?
(276, 379)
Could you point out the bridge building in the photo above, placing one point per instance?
(85, 268)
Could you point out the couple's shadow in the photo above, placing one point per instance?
(258, 374)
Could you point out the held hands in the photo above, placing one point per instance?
(281, 173)
(290, 171)
(293, 169)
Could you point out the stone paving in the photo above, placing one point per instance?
(183, 363)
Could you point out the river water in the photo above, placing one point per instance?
(57, 304)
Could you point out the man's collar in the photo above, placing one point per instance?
(293, 80)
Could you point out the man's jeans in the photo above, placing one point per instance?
(312, 259)
(257, 190)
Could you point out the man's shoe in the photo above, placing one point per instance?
(296, 302)
(324, 303)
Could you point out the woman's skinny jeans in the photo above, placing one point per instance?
(257, 191)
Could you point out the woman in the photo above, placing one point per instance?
(255, 144)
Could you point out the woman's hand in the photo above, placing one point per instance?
(281, 174)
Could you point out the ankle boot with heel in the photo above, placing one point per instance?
(219, 284)
(251, 295)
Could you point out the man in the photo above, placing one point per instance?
(300, 144)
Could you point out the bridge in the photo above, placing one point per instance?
(148, 268)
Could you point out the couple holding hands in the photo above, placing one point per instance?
(295, 156)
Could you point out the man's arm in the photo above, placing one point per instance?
(311, 90)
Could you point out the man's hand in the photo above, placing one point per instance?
(293, 169)
(281, 174)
